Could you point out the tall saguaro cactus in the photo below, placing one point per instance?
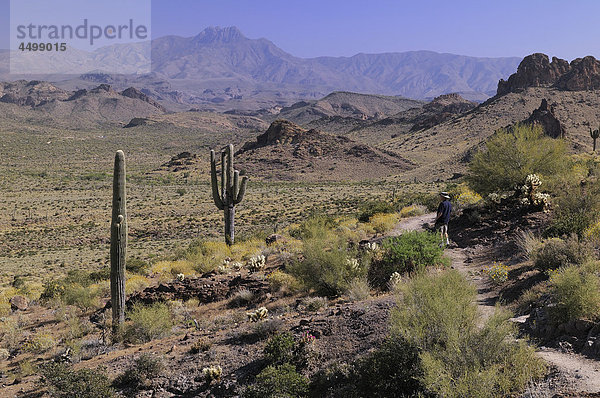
(231, 190)
(594, 134)
(118, 242)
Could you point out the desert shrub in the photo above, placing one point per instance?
(382, 223)
(369, 209)
(392, 370)
(327, 265)
(200, 345)
(280, 281)
(280, 349)
(528, 243)
(576, 291)
(278, 381)
(135, 283)
(576, 210)
(11, 333)
(463, 196)
(411, 251)
(497, 272)
(358, 290)
(511, 155)
(145, 368)
(63, 382)
(40, 342)
(556, 252)
(148, 322)
(241, 297)
(412, 211)
(438, 315)
(315, 303)
(267, 328)
(137, 266)
(83, 297)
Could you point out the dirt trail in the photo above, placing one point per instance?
(573, 372)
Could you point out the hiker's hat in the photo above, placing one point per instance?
(445, 195)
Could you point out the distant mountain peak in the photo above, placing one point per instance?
(216, 34)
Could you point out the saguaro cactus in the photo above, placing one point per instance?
(594, 134)
(231, 192)
(118, 242)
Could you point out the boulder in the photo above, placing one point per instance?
(19, 303)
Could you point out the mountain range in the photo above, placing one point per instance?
(222, 69)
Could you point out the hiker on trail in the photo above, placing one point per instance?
(443, 216)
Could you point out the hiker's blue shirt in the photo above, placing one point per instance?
(444, 208)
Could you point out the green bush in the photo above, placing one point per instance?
(283, 348)
(280, 349)
(392, 370)
(80, 296)
(369, 209)
(137, 266)
(281, 381)
(511, 155)
(148, 322)
(438, 315)
(556, 252)
(328, 264)
(576, 292)
(63, 382)
(576, 210)
(145, 368)
(411, 251)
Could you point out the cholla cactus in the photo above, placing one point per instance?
(372, 247)
(212, 372)
(395, 279)
(236, 265)
(531, 196)
(353, 264)
(258, 314)
(180, 277)
(541, 200)
(256, 263)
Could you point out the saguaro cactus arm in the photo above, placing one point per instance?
(214, 181)
(241, 191)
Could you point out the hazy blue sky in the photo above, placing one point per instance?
(308, 28)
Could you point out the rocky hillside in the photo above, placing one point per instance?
(82, 108)
(349, 105)
(287, 151)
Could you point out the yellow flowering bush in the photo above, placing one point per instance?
(498, 273)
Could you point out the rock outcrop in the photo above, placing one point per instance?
(546, 118)
(584, 74)
(439, 110)
(134, 93)
(536, 70)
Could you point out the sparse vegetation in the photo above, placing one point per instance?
(63, 382)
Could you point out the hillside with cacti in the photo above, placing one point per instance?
(236, 258)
